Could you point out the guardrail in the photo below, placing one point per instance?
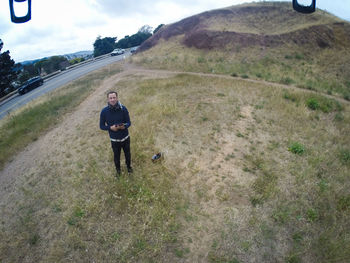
(15, 91)
(8, 95)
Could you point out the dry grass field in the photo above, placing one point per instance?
(252, 170)
(251, 173)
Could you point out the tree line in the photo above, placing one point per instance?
(106, 45)
(13, 75)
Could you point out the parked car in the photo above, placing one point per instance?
(133, 49)
(30, 84)
(117, 51)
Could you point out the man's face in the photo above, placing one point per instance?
(112, 99)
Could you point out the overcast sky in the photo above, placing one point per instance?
(59, 27)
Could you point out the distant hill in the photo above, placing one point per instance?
(79, 54)
(266, 40)
(31, 61)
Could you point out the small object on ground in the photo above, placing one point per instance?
(156, 157)
(130, 170)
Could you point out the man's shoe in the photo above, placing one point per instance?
(130, 170)
(118, 173)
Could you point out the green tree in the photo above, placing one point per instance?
(104, 45)
(52, 64)
(58, 63)
(76, 60)
(28, 71)
(40, 65)
(136, 39)
(145, 29)
(158, 27)
(7, 72)
(30, 68)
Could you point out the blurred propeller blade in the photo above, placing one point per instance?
(21, 19)
(304, 9)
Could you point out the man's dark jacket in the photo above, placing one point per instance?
(112, 115)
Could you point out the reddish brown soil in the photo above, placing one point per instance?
(197, 35)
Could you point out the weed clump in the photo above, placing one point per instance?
(324, 104)
(313, 104)
(343, 203)
(345, 156)
(296, 148)
(287, 80)
(201, 60)
(290, 96)
(347, 96)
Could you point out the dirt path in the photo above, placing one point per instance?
(134, 68)
(54, 141)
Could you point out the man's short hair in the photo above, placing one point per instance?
(111, 92)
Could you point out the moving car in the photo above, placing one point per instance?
(30, 84)
(133, 49)
(117, 51)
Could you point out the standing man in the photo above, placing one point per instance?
(115, 119)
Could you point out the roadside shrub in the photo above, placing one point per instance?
(296, 148)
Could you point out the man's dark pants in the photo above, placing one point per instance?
(117, 146)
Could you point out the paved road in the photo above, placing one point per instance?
(17, 101)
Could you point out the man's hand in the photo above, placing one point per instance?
(114, 128)
(117, 127)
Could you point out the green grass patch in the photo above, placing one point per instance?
(344, 156)
(296, 148)
(324, 104)
(291, 96)
(343, 203)
(287, 80)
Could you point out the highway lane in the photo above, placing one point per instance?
(17, 101)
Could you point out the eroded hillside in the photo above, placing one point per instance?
(310, 51)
